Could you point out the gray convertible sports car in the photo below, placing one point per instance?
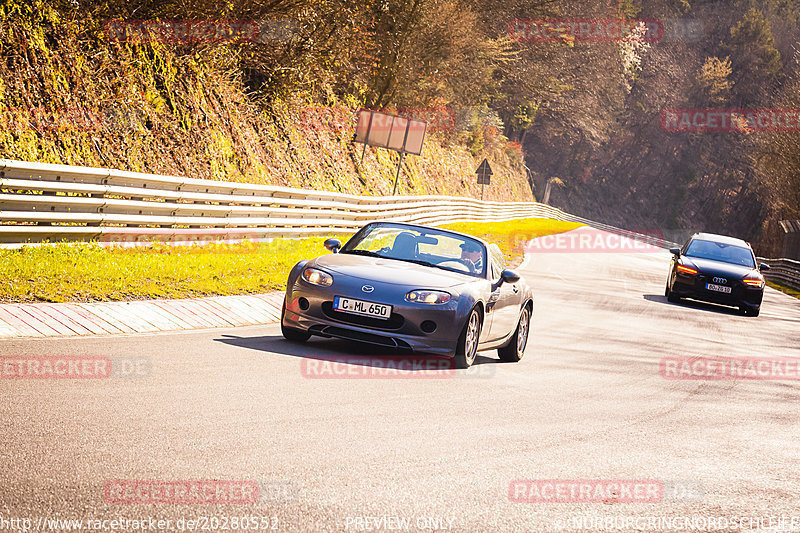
(411, 287)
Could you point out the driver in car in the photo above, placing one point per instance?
(472, 256)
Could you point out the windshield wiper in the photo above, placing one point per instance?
(417, 262)
(362, 252)
(404, 259)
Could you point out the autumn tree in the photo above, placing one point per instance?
(714, 79)
(756, 61)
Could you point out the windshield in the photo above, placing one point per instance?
(717, 251)
(427, 247)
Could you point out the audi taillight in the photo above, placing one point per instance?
(686, 270)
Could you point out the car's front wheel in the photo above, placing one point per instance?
(515, 349)
(749, 311)
(467, 347)
(292, 334)
(671, 296)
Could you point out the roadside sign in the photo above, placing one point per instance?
(484, 173)
(403, 135)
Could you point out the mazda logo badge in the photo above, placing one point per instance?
(367, 288)
(720, 280)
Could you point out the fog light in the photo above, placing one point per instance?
(429, 326)
(303, 303)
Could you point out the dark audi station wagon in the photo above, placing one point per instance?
(718, 269)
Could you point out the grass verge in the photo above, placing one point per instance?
(511, 236)
(90, 272)
(783, 288)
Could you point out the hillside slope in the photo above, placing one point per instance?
(71, 93)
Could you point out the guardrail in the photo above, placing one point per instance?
(44, 202)
(783, 271)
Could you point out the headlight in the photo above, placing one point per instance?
(317, 277)
(428, 297)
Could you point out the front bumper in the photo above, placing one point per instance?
(310, 308)
(694, 286)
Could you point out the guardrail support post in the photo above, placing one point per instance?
(397, 176)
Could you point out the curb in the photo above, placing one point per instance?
(114, 318)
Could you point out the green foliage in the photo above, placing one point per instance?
(524, 116)
(253, 111)
(756, 61)
(714, 79)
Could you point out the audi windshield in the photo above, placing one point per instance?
(718, 251)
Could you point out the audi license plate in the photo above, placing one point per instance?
(718, 288)
(360, 307)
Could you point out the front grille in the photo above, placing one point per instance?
(394, 322)
(718, 296)
(343, 333)
(370, 338)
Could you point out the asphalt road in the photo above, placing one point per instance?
(587, 402)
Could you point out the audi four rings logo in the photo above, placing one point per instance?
(367, 288)
(720, 280)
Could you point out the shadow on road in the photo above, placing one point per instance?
(342, 351)
(694, 304)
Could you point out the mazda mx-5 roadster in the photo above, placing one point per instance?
(412, 288)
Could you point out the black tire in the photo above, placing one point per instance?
(467, 346)
(515, 349)
(749, 311)
(292, 334)
(671, 297)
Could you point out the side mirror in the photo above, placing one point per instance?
(509, 276)
(675, 251)
(333, 245)
(763, 266)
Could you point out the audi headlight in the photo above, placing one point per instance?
(428, 297)
(317, 277)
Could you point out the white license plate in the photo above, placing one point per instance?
(718, 288)
(360, 307)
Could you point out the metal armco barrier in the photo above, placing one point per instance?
(784, 271)
(44, 202)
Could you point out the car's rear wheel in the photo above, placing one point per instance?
(515, 349)
(467, 347)
(292, 334)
